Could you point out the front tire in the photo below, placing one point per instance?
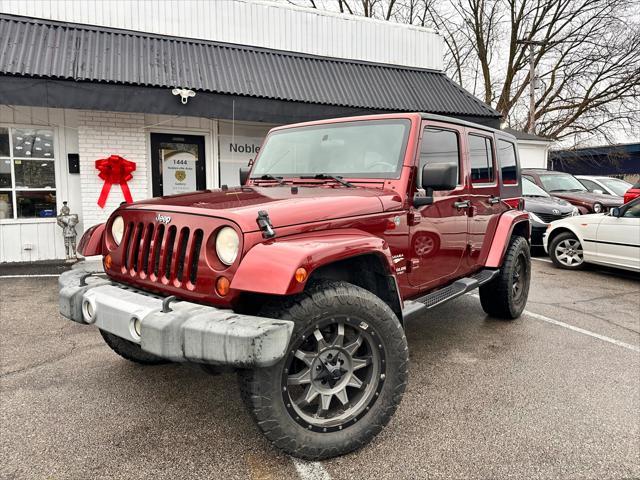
(506, 295)
(565, 251)
(130, 351)
(343, 376)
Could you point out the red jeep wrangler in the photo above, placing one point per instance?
(303, 278)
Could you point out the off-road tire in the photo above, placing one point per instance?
(497, 297)
(131, 351)
(262, 389)
(553, 245)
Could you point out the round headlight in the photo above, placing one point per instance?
(597, 207)
(227, 243)
(117, 230)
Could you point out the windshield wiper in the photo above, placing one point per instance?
(268, 176)
(326, 176)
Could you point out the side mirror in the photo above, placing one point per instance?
(615, 212)
(437, 177)
(244, 175)
(601, 192)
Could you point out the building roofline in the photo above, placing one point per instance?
(524, 136)
(238, 46)
(615, 146)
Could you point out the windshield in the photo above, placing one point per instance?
(562, 182)
(361, 149)
(530, 189)
(619, 187)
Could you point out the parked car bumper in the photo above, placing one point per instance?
(537, 232)
(185, 331)
(545, 242)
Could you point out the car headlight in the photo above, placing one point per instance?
(117, 230)
(227, 243)
(536, 218)
(575, 212)
(597, 207)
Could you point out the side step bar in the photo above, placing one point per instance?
(457, 288)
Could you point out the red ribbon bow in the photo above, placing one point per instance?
(115, 169)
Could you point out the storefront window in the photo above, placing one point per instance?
(27, 173)
(4, 142)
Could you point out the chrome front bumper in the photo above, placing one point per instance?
(187, 331)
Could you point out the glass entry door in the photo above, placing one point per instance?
(178, 164)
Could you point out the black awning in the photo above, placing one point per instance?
(52, 50)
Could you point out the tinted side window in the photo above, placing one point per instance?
(507, 159)
(481, 155)
(439, 146)
(633, 211)
(591, 186)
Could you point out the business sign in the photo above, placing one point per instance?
(235, 152)
(178, 171)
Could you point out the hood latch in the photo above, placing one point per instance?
(264, 222)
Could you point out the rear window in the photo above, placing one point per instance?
(481, 155)
(507, 159)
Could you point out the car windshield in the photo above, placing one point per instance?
(530, 189)
(561, 182)
(360, 149)
(616, 186)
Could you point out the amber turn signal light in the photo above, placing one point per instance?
(222, 286)
(301, 275)
(107, 262)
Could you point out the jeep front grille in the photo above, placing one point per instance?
(156, 252)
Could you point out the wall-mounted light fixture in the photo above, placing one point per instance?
(184, 93)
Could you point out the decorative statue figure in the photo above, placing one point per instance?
(68, 222)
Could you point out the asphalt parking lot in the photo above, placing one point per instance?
(554, 394)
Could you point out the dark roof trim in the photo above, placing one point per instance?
(132, 98)
(520, 135)
(618, 148)
(57, 50)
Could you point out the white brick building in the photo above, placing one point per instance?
(96, 81)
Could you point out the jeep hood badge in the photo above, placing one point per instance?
(163, 218)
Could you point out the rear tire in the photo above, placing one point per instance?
(506, 295)
(130, 351)
(342, 378)
(565, 251)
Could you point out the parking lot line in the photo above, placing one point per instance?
(553, 321)
(583, 331)
(41, 275)
(310, 470)
(546, 260)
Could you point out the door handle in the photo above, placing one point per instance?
(494, 200)
(462, 204)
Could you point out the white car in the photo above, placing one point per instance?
(611, 239)
(604, 185)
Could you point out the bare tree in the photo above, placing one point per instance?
(587, 59)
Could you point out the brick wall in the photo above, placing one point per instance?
(101, 134)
